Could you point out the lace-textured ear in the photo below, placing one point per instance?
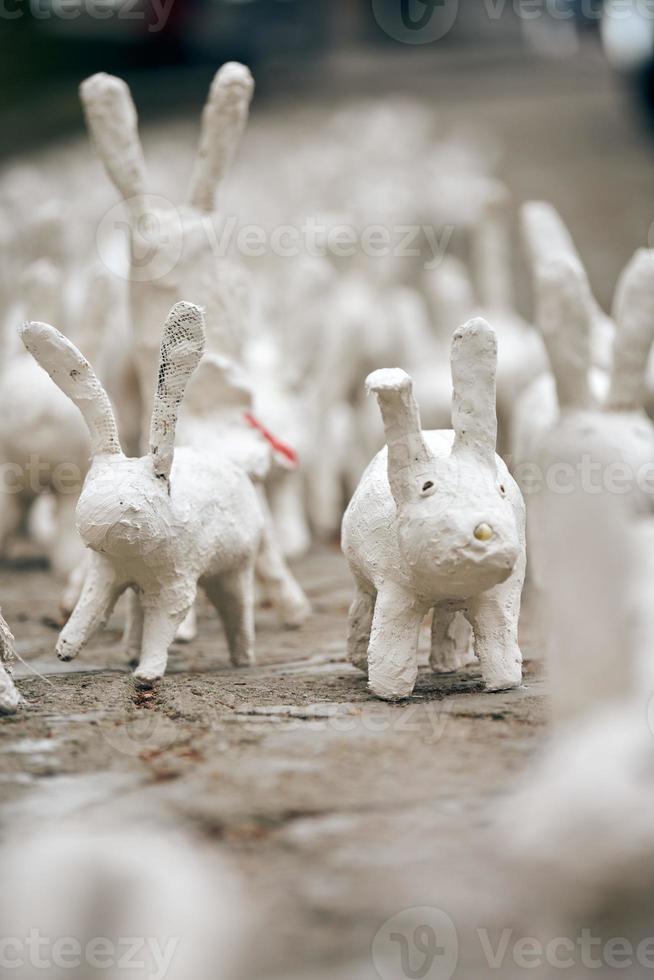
(182, 346)
(564, 315)
(223, 120)
(112, 122)
(407, 450)
(71, 372)
(633, 310)
(474, 366)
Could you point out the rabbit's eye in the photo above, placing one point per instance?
(502, 489)
(427, 486)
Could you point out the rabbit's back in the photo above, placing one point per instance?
(215, 510)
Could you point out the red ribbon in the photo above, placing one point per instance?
(277, 444)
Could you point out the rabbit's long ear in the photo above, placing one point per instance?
(407, 451)
(474, 368)
(182, 346)
(71, 372)
(113, 124)
(564, 314)
(634, 315)
(545, 234)
(223, 121)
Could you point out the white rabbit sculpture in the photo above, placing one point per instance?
(536, 408)
(153, 526)
(172, 248)
(173, 251)
(10, 699)
(614, 418)
(437, 522)
(44, 445)
(217, 418)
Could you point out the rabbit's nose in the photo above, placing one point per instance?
(483, 532)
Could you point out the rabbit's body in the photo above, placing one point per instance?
(437, 523)
(160, 524)
(207, 522)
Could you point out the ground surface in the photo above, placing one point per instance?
(338, 810)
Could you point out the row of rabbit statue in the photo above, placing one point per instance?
(252, 439)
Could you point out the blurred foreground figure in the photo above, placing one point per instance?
(581, 840)
(9, 696)
(116, 904)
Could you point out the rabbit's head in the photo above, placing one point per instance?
(456, 521)
(124, 508)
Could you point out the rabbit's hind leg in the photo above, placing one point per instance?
(281, 586)
(450, 640)
(359, 626)
(233, 596)
(188, 630)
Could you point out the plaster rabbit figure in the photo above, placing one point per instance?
(614, 418)
(160, 524)
(578, 831)
(437, 522)
(217, 418)
(100, 876)
(172, 248)
(10, 699)
(547, 238)
(44, 445)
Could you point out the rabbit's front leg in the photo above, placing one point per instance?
(233, 596)
(280, 585)
(99, 594)
(159, 628)
(493, 616)
(393, 649)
